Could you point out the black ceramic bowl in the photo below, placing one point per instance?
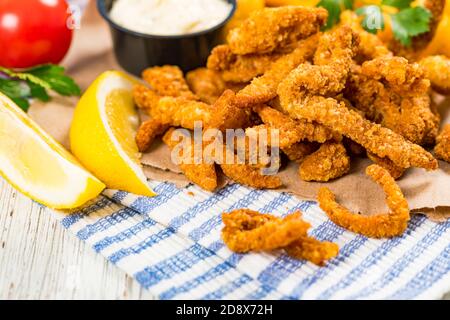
(136, 51)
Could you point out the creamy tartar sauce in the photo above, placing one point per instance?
(169, 17)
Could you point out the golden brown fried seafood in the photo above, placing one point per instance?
(384, 225)
(329, 162)
(226, 115)
(200, 171)
(182, 112)
(292, 131)
(395, 171)
(379, 140)
(145, 98)
(239, 68)
(206, 84)
(302, 96)
(248, 174)
(264, 88)
(300, 150)
(168, 81)
(246, 230)
(147, 133)
(313, 250)
(442, 148)
(393, 92)
(437, 70)
(273, 28)
(370, 46)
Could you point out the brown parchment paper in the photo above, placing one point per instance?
(91, 54)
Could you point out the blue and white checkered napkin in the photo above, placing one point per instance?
(171, 245)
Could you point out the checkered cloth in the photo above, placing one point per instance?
(171, 245)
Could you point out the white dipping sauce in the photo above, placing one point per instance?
(169, 17)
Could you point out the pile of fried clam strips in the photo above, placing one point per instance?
(340, 100)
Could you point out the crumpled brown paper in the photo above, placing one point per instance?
(91, 54)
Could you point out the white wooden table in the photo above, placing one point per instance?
(39, 259)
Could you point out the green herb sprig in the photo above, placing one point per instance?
(406, 23)
(20, 86)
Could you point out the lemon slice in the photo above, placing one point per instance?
(38, 166)
(102, 135)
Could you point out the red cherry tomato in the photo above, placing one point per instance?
(33, 32)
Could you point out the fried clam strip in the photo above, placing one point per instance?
(437, 70)
(442, 148)
(393, 92)
(202, 173)
(395, 171)
(239, 68)
(292, 131)
(300, 150)
(183, 112)
(206, 84)
(264, 88)
(147, 133)
(310, 249)
(301, 97)
(168, 81)
(145, 98)
(165, 81)
(246, 230)
(420, 42)
(226, 115)
(329, 162)
(370, 46)
(241, 171)
(379, 140)
(384, 225)
(273, 28)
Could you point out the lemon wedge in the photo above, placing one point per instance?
(102, 135)
(38, 166)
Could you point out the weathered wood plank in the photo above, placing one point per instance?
(39, 259)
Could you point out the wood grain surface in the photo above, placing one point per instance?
(39, 259)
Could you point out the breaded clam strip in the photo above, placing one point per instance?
(437, 70)
(264, 88)
(247, 174)
(203, 173)
(247, 230)
(300, 150)
(165, 81)
(145, 98)
(381, 141)
(301, 96)
(273, 28)
(147, 133)
(395, 93)
(168, 81)
(329, 162)
(318, 252)
(291, 130)
(442, 148)
(239, 68)
(182, 112)
(384, 225)
(395, 171)
(206, 84)
(370, 46)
